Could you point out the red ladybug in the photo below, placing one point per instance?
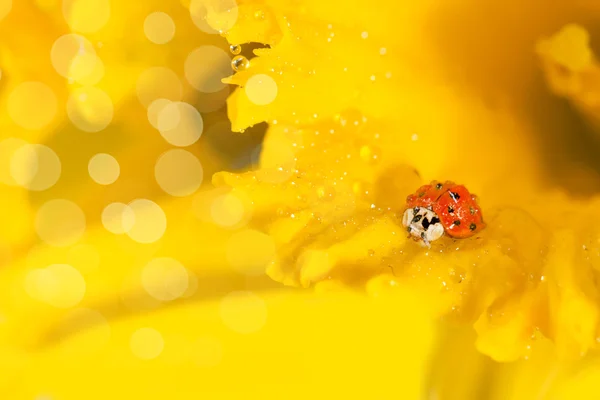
(440, 208)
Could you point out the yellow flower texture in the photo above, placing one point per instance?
(150, 248)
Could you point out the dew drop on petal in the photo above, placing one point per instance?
(239, 63)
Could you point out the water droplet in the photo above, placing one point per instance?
(235, 49)
(321, 192)
(239, 63)
(369, 154)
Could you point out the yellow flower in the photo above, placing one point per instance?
(123, 278)
(335, 170)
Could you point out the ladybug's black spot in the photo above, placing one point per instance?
(472, 227)
(435, 220)
(425, 223)
(457, 222)
(450, 209)
(417, 218)
(438, 186)
(455, 196)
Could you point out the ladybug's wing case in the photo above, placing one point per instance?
(459, 212)
(427, 195)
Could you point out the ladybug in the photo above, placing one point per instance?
(440, 208)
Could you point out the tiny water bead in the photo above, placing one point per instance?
(259, 14)
(239, 63)
(235, 49)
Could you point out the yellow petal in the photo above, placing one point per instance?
(263, 341)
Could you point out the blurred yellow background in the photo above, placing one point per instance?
(200, 199)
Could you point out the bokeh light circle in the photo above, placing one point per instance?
(261, 89)
(222, 19)
(104, 169)
(178, 172)
(60, 222)
(231, 209)
(154, 110)
(74, 57)
(180, 124)
(86, 16)
(159, 27)
(150, 222)
(206, 66)
(146, 343)
(90, 109)
(118, 218)
(158, 83)
(8, 147)
(59, 285)
(35, 167)
(165, 279)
